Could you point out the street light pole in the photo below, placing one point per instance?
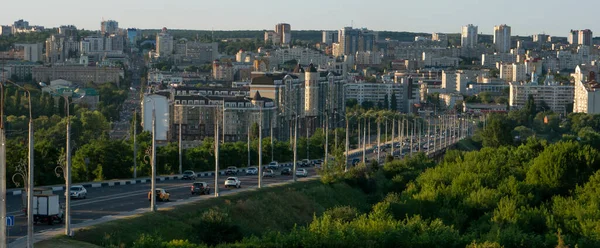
(347, 143)
(68, 172)
(326, 137)
(29, 179)
(3, 234)
(364, 142)
(153, 179)
(249, 145)
(295, 148)
(134, 144)
(216, 153)
(260, 148)
(180, 145)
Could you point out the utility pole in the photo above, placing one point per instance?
(429, 135)
(134, 144)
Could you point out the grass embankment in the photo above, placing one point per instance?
(231, 217)
(64, 242)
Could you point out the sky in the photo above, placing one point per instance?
(526, 17)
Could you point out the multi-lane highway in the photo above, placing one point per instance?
(114, 200)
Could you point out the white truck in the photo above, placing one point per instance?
(47, 209)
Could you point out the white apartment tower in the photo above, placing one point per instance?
(502, 38)
(468, 36)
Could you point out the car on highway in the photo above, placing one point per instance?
(252, 171)
(305, 163)
(268, 173)
(231, 170)
(200, 188)
(286, 171)
(188, 175)
(274, 165)
(301, 172)
(78, 192)
(161, 195)
(233, 182)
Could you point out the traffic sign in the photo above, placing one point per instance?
(10, 220)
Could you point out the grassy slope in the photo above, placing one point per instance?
(278, 209)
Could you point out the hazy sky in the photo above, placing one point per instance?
(526, 17)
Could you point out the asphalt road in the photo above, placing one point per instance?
(113, 200)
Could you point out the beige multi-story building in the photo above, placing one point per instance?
(198, 115)
(515, 72)
(78, 74)
(556, 95)
(311, 94)
(587, 97)
(32, 52)
(164, 44)
(222, 71)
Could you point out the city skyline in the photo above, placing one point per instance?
(434, 16)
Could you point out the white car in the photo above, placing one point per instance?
(301, 173)
(252, 171)
(78, 191)
(268, 173)
(233, 182)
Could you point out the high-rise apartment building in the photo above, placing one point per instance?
(356, 40)
(164, 44)
(330, 37)
(574, 37)
(133, 35)
(285, 32)
(585, 37)
(109, 27)
(502, 38)
(468, 36)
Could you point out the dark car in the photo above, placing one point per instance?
(355, 161)
(200, 188)
(286, 171)
(189, 175)
(231, 170)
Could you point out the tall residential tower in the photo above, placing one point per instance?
(468, 36)
(502, 38)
